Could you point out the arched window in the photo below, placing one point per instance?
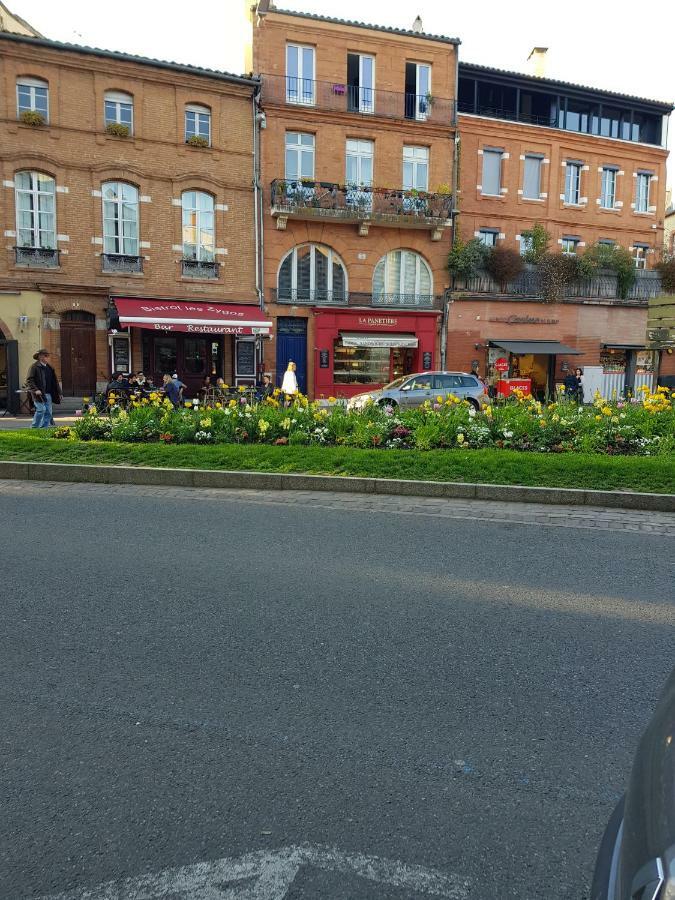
(198, 226)
(32, 95)
(313, 273)
(197, 122)
(120, 218)
(118, 109)
(402, 273)
(35, 210)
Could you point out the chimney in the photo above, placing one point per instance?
(417, 26)
(537, 61)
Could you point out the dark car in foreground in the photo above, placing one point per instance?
(636, 860)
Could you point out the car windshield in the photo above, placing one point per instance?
(396, 383)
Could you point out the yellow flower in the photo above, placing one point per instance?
(205, 423)
(460, 438)
(232, 404)
(562, 388)
(111, 401)
(86, 399)
(598, 418)
(615, 419)
(644, 389)
(219, 405)
(332, 400)
(263, 425)
(241, 388)
(606, 411)
(187, 404)
(439, 399)
(286, 423)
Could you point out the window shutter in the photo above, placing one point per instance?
(531, 180)
(492, 163)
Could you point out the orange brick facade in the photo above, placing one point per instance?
(75, 150)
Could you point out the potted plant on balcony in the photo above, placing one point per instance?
(504, 265)
(33, 118)
(117, 129)
(196, 140)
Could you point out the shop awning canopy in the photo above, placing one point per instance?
(366, 339)
(191, 317)
(550, 347)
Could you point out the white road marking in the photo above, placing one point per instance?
(267, 875)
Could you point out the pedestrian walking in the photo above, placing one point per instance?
(579, 375)
(289, 384)
(172, 390)
(44, 389)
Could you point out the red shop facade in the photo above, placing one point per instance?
(360, 350)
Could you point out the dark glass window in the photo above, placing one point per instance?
(465, 96)
(496, 100)
(578, 116)
(537, 107)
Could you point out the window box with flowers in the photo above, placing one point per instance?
(117, 129)
(196, 140)
(32, 117)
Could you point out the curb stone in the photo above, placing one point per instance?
(210, 478)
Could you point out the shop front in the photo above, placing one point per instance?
(189, 338)
(529, 366)
(623, 370)
(358, 351)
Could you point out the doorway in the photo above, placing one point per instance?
(539, 368)
(292, 345)
(9, 375)
(78, 353)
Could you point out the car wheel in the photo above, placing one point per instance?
(474, 403)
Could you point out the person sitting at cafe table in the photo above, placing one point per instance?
(118, 384)
(265, 389)
(205, 386)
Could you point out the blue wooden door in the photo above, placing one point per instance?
(292, 347)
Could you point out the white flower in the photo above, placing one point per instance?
(507, 434)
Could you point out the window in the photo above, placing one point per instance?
(118, 109)
(417, 90)
(492, 173)
(640, 255)
(415, 168)
(573, 182)
(402, 273)
(488, 236)
(525, 244)
(608, 188)
(569, 245)
(299, 156)
(532, 177)
(198, 227)
(32, 95)
(198, 122)
(300, 74)
(120, 218)
(361, 82)
(642, 184)
(313, 273)
(607, 242)
(447, 382)
(35, 210)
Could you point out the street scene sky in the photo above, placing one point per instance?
(600, 47)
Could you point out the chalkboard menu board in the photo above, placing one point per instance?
(120, 353)
(245, 357)
(324, 359)
(426, 361)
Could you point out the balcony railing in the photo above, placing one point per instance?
(118, 262)
(322, 199)
(529, 283)
(340, 97)
(37, 257)
(198, 268)
(355, 298)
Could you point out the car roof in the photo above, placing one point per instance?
(437, 372)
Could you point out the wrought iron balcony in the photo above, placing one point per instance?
(339, 97)
(362, 205)
(37, 257)
(404, 301)
(316, 297)
(199, 268)
(356, 299)
(119, 262)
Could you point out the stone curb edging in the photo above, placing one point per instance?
(209, 478)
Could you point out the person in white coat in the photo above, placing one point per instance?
(289, 385)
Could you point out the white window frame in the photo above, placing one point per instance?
(333, 258)
(359, 151)
(608, 179)
(572, 193)
(304, 92)
(420, 263)
(422, 110)
(539, 159)
(118, 218)
(569, 242)
(202, 250)
(417, 156)
(32, 84)
(640, 252)
(119, 99)
(300, 150)
(35, 195)
(643, 183)
(493, 233)
(366, 94)
(201, 114)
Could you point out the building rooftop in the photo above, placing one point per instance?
(406, 32)
(664, 106)
(129, 57)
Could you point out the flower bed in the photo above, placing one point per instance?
(643, 426)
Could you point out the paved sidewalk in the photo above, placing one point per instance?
(14, 423)
(587, 517)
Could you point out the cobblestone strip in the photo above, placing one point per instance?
(492, 511)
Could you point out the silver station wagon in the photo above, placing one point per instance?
(414, 390)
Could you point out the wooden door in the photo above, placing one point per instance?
(78, 354)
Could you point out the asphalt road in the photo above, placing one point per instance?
(345, 703)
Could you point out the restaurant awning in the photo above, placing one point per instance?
(191, 317)
(550, 347)
(361, 339)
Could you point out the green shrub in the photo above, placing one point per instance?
(537, 240)
(118, 129)
(465, 259)
(666, 269)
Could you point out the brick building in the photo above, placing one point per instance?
(357, 161)
(127, 186)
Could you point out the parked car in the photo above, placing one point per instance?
(636, 860)
(414, 390)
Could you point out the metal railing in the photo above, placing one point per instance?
(529, 283)
(325, 199)
(338, 96)
(357, 298)
(198, 268)
(37, 257)
(118, 262)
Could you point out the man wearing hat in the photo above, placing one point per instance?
(44, 389)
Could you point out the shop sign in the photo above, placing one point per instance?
(426, 360)
(245, 357)
(324, 359)
(378, 321)
(502, 364)
(523, 320)
(121, 355)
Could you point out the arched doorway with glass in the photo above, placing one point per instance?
(78, 353)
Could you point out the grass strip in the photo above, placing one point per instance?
(569, 470)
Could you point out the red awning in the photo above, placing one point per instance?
(190, 316)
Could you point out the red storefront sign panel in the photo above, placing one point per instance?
(191, 317)
(502, 364)
(507, 386)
